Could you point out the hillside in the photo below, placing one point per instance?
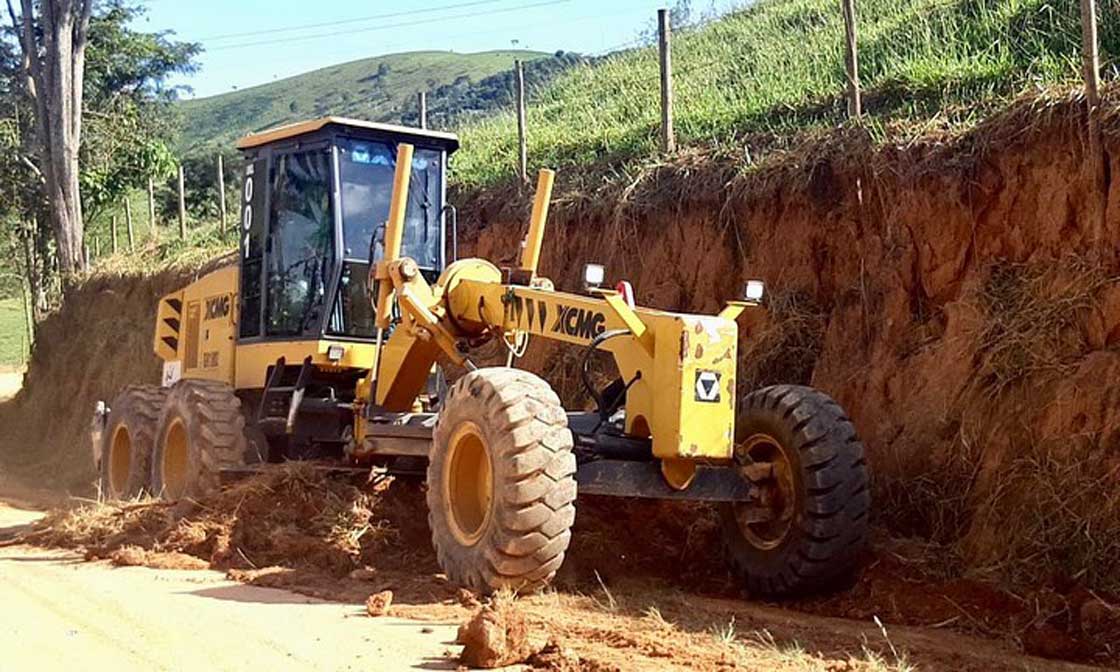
(378, 89)
(758, 78)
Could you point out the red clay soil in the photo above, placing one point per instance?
(957, 295)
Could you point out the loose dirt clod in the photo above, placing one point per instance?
(134, 556)
(363, 574)
(378, 603)
(555, 658)
(496, 636)
(467, 599)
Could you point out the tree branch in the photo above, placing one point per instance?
(35, 169)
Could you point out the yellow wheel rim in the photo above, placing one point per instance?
(120, 459)
(175, 458)
(766, 524)
(469, 484)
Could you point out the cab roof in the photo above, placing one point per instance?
(405, 133)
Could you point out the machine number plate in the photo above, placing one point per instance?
(707, 386)
(172, 372)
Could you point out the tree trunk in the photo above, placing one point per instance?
(53, 46)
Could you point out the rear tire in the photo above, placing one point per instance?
(128, 441)
(501, 482)
(201, 432)
(819, 499)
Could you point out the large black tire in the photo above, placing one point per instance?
(128, 440)
(817, 544)
(201, 432)
(501, 482)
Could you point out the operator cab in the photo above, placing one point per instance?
(314, 206)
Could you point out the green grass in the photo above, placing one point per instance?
(13, 333)
(354, 89)
(776, 69)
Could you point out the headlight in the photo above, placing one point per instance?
(335, 353)
(593, 275)
(754, 291)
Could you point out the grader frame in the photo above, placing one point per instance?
(502, 457)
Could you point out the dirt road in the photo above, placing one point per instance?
(60, 613)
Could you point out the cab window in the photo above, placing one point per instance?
(366, 171)
(300, 246)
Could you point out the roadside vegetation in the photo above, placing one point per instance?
(13, 334)
(756, 79)
(747, 84)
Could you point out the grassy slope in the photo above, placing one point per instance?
(350, 89)
(777, 68)
(13, 333)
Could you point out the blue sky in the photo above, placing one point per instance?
(250, 43)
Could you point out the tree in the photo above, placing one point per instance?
(128, 123)
(54, 51)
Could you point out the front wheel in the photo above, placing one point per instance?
(808, 526)
(501, 482)
(201, 432)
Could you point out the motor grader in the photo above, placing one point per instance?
(331, 336)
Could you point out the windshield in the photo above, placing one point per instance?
(366, 169)
(300, 256)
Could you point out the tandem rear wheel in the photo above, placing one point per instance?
(201, 431)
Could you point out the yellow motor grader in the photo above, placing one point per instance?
(329, 338)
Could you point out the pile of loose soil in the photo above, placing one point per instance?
(295, 517)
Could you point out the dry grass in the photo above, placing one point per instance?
(1065, 521)
(786, 347)
(1031, 321)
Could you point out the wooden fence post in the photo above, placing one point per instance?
(182, 205)
(1091, 67)
(128, 225)
(851, 60)
(422, 108)
(96, 248)
(522, 142)
(113, 228)
(28, 313)
(152, 209)
(222, 192)
(664, 44)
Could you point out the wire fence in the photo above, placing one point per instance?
(123, 234)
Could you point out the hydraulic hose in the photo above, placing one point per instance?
(584, 372)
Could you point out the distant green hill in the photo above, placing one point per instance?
(383, 88)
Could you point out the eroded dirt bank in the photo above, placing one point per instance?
(99, 341)
(959, 296)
